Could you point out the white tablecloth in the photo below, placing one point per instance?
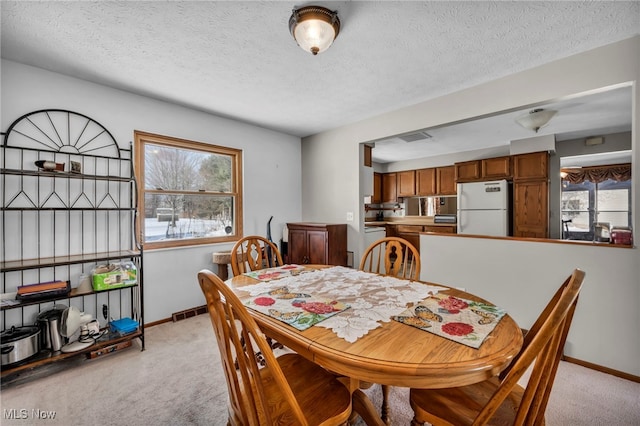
(374, 299)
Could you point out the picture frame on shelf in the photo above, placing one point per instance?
(76, 166)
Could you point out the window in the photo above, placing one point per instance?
(190, 192)
(590, 207)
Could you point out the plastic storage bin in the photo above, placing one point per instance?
(124, 326)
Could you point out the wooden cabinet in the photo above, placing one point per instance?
(431, 181)
(317, 243)
(468, 171)
(531, 209)
(531, 195)
(422, 182)
(376, 198)
(410, 233)
(531, 166)
(442, 229)
(409, 228)
(389, 188)
(426, 182)
(446, 180)
(496, 168)
(391, 230)
(486, 169)
(406, 183)
(368, 156)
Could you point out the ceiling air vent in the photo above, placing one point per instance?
(414, 137)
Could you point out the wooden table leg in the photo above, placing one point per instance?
(365, 409)
(385, 405)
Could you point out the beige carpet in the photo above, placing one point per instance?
(178, 381)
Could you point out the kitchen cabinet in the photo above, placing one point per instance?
(485, 169)
(410, 233)
(389, 188)
(376, 198)
(317, 243)
(59, 225)
(391, 230)
(442, 229)
(446, 180)
(531, 166)
(531, 195)
(531, 209)
(468, 171)
(406, 183)
(426, 182)
(368, 156)
(496, 168)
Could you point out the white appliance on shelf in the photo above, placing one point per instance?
(483, 208)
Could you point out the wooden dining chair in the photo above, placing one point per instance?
(392, 256)
(395, 257)
(501, 400)
(288, 390)
(254, 252)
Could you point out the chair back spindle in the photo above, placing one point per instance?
(392, 256)
(254, 252)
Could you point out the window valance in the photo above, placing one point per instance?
(597, 174)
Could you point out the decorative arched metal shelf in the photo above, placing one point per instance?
(62, 131)
(60, 221)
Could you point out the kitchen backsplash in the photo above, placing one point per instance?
(413, 206)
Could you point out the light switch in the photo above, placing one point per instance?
(349, 216)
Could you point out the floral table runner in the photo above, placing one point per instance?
(373, 299)
(276, 272)
(299, 310)
(463, 321)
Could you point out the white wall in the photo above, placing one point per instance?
(272, 169)
(522, 276)
(327, 200)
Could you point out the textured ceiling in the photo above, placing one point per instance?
(237, 59)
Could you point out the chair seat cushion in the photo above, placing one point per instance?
(335, 397)
(461, 405)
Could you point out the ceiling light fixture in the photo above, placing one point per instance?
(314, 28)
(536, 118)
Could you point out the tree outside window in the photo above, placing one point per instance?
(191, 191)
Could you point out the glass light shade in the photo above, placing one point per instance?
(314, 28)
(314, 36)
(535, 119)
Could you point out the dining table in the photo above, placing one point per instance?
(371, 338)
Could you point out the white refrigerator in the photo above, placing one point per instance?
(483, 208)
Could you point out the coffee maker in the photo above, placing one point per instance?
(49, 323)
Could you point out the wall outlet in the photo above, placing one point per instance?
(349, 216)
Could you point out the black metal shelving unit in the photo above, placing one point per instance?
(61, 224)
